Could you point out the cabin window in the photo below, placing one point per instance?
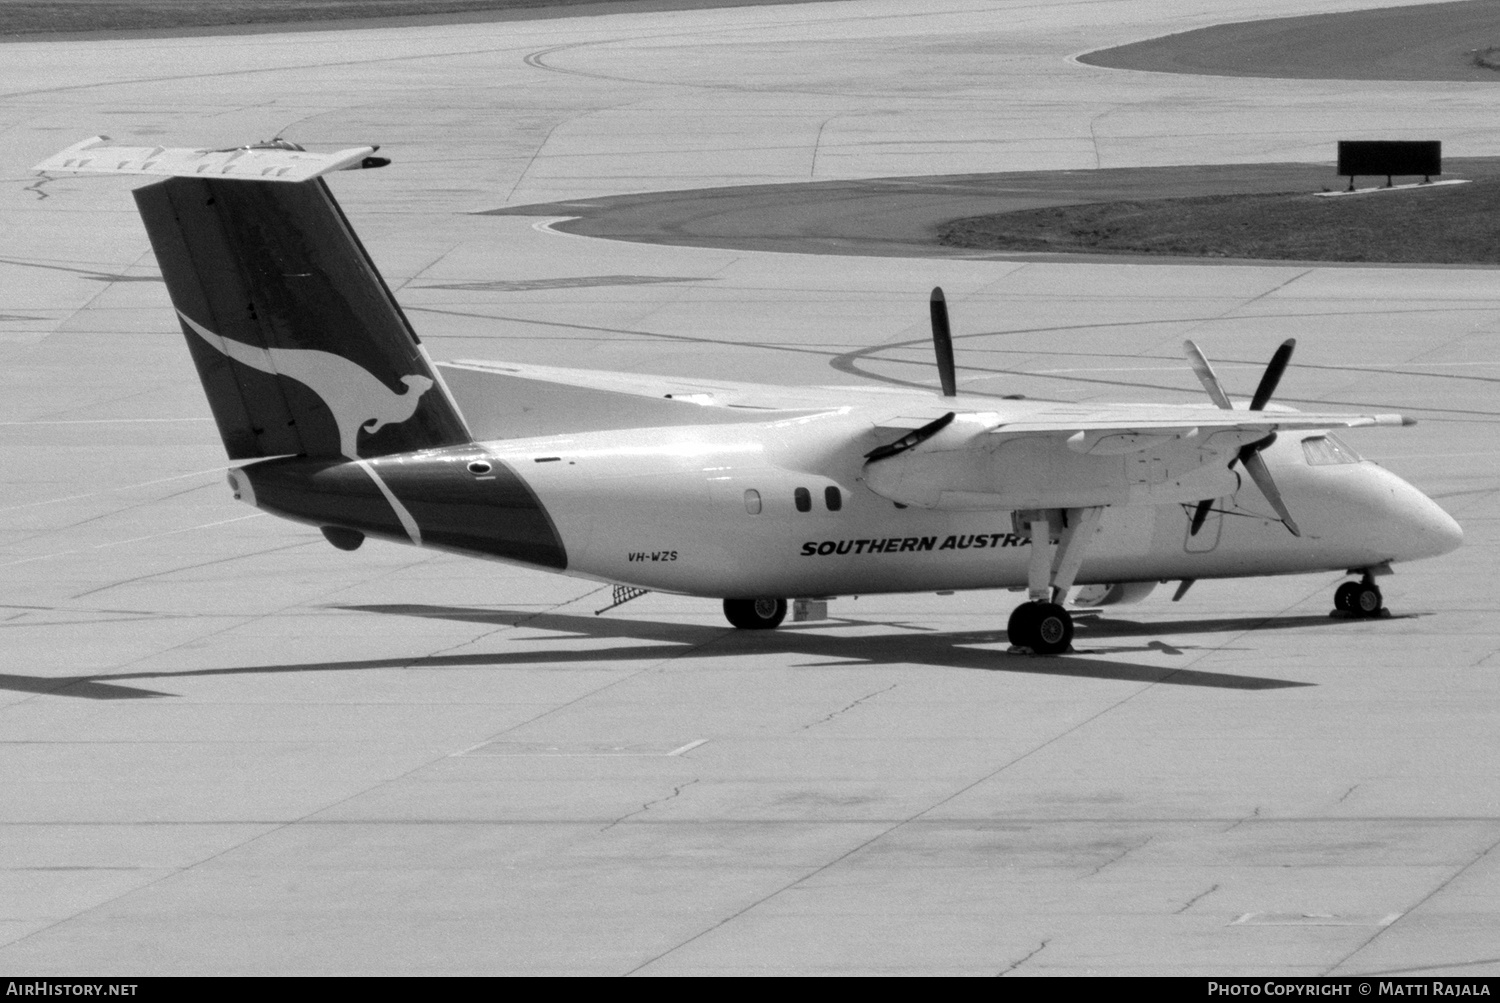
(803, 498)
(1325, 450)
(752, 501)
(833, 498)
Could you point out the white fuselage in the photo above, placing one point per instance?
(666, 509)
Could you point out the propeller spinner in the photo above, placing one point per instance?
(1249, 455)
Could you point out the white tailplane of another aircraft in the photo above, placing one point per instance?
(750, 494)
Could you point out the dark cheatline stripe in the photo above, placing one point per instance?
(496, 514)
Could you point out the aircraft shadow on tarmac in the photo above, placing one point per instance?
(821, 648)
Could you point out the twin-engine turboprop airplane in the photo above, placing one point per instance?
(746, 493)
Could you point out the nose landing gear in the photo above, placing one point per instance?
(755, 614)
(1360, 599)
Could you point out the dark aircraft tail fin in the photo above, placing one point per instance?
(301, 347)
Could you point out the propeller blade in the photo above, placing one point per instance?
(1206, 375)
(1200, 515)
(1273, 375)
(910, 439)
(942, 342)
(1261, 475)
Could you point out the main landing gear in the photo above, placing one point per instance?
(1042, 625)
(1360, 599)
(755, 614)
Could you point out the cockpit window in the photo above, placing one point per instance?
(1323, 450)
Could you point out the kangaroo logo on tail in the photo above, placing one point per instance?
(356, 399)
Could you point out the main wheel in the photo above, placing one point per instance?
(1343, 596)
(1020, 630)
(1052, 628)
(755, 614)
(1046, 628)
(1367, 600)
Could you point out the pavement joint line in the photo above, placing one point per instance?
(414, 276)
(1233, 308)
(1414, 907)
(276, 828)
(687, 649)
(917, 816)
(169, 872)
(1433, 968)
(521, 176)
(133, 395)
(138, 539)
(256, 70)
(190, 567)
(68, 527)
(235, 623)
(104, 287)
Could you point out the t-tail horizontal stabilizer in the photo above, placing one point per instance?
(276, 160)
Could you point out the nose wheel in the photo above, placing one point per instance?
(1044, 627)
(1360, 599)
(755, 614)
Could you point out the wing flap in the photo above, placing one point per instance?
(1075, 457)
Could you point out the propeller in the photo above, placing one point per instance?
(1249, 454)
(910, 439)
(942, 342)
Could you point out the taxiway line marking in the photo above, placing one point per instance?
(122, 487)
(136, 539)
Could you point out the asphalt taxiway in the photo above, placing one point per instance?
(226, 747)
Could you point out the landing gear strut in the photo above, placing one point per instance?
(1042, 624)
(1361, 598)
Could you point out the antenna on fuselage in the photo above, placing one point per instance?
(942, 342)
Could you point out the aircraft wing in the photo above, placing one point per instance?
(254, 163)
(1122, 428)
(1066, 419)
(1053, 455)
(1127, 427)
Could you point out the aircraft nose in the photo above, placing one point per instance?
(1426, 530)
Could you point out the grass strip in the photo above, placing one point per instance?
(1458, 224)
